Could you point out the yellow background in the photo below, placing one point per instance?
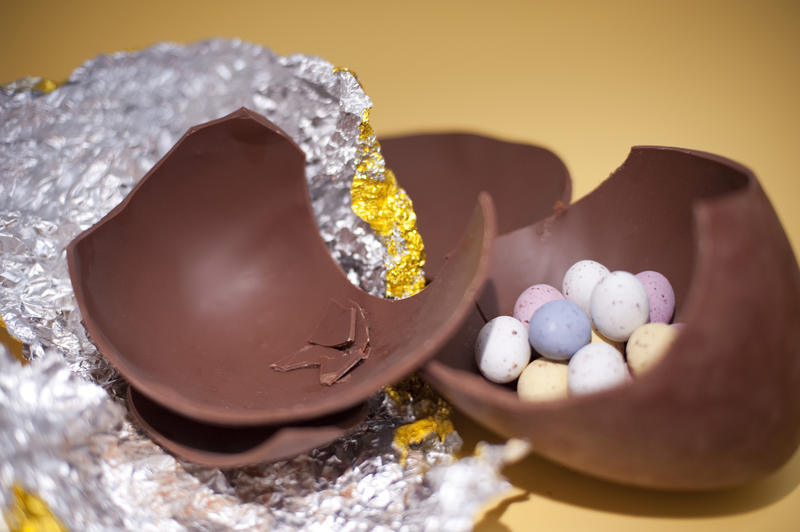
(585, 79)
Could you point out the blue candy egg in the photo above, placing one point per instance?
(558, 329)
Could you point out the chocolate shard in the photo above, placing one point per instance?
(308, 356)
(361, 338)
(337, 326)
(332, 368)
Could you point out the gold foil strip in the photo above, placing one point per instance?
(399, 396)
(46, 85)
(406, 436)
(378, 200)
(29, 513)
(13, 345)
(432, 411)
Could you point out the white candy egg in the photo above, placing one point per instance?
(580, 280)
(619, 305)
(596, 367)
(502, 350)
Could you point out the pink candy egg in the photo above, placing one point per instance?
(660, 295)
(532, 298)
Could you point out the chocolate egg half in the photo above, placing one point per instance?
(723, 405)
(212, 271)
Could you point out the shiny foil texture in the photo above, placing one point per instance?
(68, 442)
(70, 155)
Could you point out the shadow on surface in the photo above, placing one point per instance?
(541, 477)
(491, 519)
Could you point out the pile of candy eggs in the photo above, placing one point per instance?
(601, 329)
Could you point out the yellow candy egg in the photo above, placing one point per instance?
(543, 380)
(647, 345)
(597, 337)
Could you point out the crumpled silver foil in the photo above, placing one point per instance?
(66, 439)
(66, 158)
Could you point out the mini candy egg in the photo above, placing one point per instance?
(597, 337)
(502, 350)
(619, 305)
(660, 295)
(648, 344)
(580, 280)
(559, 328)
(596, 367)
(532, 298)
(543, 380)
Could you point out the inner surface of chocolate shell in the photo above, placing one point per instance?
(445, 172)
(213, 268)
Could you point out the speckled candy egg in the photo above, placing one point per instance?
(532, 298)
(619, 305)
(647, 345)
(660, 295)
(580, 280)
(595, 367)
(558, 329)
(502, 350)
(543, 380)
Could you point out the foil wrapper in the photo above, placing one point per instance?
(378, 200)
(69, 442)
(70, 155)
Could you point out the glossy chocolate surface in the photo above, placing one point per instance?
(213, 268)
(723, 406)
(337, 328)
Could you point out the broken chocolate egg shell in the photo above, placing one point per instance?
(223, 446)
(212, 269)
(444, 173)
(722, 407)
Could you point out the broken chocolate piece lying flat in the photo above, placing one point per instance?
(333, 363)
(337, 326)
(334, 367)
(307, 356)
